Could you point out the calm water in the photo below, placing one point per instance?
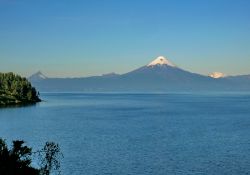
(135, 134)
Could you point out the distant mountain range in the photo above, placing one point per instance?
(158, 76)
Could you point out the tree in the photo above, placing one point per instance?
(15, 89)
(17, 160)
(49, 157)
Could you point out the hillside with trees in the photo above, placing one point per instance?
(18, 159)
(16, 90)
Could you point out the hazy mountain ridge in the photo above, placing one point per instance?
(159, 75)
(38, 76)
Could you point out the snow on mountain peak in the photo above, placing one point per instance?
(161, 60)
(216, 75)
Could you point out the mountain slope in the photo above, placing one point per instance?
(159, 75)
(38, 76)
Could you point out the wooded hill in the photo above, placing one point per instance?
(16, 90)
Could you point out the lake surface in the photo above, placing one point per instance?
(138, 134)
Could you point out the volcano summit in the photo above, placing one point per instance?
(160, 75)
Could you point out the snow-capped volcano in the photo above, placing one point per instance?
(37, 76)
(161, 72)
(216, 75)
(161, 60)
(158, 76)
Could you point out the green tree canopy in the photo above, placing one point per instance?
(15, 89)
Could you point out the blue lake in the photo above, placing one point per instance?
(138, 134)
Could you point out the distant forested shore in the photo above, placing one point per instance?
(16, 90)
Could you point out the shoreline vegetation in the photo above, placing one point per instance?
(18, 159)
(16, 91)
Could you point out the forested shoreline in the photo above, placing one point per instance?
(16, 90)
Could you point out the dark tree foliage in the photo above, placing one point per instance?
(17, 159)
(15, 89)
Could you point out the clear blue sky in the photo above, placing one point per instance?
(90, 37)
